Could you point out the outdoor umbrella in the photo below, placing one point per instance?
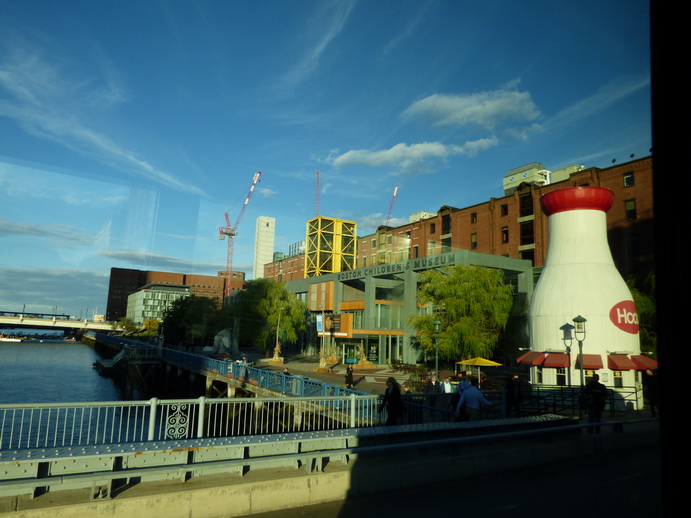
(479, 362)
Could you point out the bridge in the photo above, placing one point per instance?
(300, 439)
(45, 321)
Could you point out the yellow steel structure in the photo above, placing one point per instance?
(330, 246)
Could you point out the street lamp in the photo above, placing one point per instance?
(579, 323)
(437, 329)
(567, 339)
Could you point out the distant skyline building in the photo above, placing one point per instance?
(263, 245)
(296, 248)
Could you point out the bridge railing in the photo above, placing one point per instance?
(54, 425)
(290, 385)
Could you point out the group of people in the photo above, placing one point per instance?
(467, 399)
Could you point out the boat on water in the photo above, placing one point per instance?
(10, 339)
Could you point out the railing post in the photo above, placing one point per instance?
(153, 406)
(200, 417)
(353, 403)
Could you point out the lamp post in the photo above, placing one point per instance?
(579, 323)
(437, 329)
(567, 338)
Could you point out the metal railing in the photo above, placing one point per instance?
(84, 424)
(51, 425)
(557, 398)
(279, 382)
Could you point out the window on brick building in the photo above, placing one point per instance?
(630, 208)
(629, 179)
(446, 224)
(432, 228)
(473, 241)
(504, 209)
(527, 233)
(505, 234)
(525, 202)
(473, 217)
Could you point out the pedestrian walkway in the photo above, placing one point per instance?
(371, 381)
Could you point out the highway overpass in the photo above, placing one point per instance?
(55, 322)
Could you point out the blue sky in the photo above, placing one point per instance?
(128, 128)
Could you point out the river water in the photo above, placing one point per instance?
(52, 371)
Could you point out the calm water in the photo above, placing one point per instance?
(52, 372)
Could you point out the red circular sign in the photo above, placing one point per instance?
(624, 316)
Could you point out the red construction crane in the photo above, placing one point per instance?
(231, 232)
(393, 198)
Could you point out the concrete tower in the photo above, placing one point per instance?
(263, 245)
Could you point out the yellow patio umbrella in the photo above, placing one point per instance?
(479, 362)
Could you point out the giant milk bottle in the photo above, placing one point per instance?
(579, 279)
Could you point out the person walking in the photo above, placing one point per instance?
(392, 402)
(349, 376)
(463, 384)
(472, 399)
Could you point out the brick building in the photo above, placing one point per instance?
(125, 281)
(514, 226)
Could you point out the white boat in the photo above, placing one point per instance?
(9, 339)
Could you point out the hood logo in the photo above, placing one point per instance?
(624, 316)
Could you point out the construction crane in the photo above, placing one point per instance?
(393, 198)
(231, 232)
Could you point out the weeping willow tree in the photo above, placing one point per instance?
(473, 305)
(284, 316)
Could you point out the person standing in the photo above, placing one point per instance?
(472, 399)
(650, 391)
(432, 386)
(514, 395)
(446, 386)
(596, 397)
(392, 402)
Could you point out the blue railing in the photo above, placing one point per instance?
(262, 378)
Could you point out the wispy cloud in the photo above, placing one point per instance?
(29, 183)
(64, 235)
(143, 258)
(48, 103)
(603, 98)
(324, 26)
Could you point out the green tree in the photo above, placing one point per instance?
(259, 309)
(285, 317)
(192, 321)
(473, 304)
(643, 293)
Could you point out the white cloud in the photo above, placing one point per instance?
(413, 158)
(487, 110)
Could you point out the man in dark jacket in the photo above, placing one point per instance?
(595, 397)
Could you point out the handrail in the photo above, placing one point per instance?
(24, 426)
